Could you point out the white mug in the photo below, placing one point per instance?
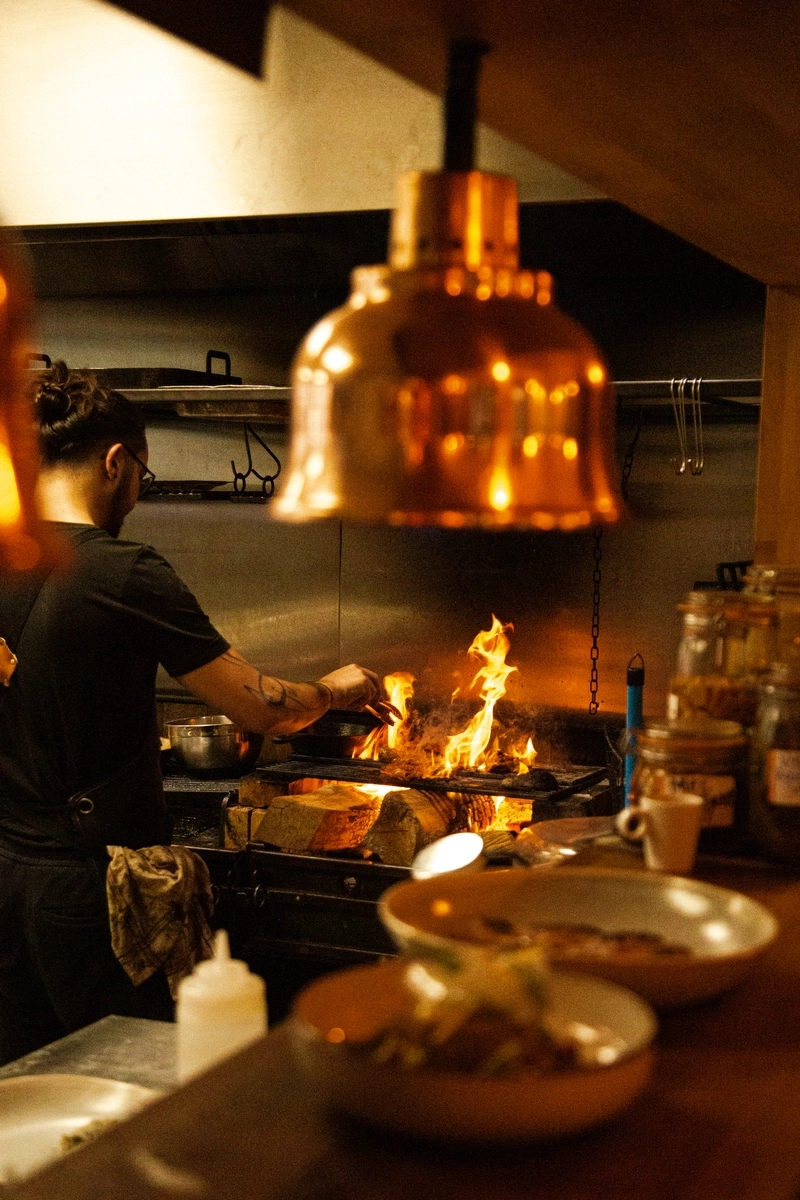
(669, 827)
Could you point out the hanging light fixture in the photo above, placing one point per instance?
(449, 390)
(24, 543)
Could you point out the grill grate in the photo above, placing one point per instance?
(551, 782)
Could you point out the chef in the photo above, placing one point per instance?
(79, 745)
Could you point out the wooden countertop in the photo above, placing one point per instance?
(720, 1120)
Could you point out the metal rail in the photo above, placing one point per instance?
(730, 393)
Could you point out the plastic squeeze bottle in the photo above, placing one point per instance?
(222, 1007)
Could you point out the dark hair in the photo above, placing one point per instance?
(76, 415)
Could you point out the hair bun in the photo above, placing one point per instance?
(53, 403)
(77, 416)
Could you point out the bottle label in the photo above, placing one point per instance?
(719, 797)
(783, 778)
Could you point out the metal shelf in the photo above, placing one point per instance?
(227, 402)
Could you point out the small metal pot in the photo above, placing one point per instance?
(213, 744)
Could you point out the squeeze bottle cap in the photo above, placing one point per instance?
(221, 974)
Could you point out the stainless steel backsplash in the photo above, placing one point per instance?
(299, 600)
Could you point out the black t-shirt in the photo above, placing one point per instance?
(81, 703)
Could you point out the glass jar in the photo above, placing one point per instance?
(727, 641)
(775, 769)
(708, 758)
(781, 586)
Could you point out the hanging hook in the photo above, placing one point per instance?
(698, 459)
(240, 477)
(678, 397)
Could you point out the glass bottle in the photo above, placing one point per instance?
(775, 765)
(779, 585)
(708, 758)
(727, 641)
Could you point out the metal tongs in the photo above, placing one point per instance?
(387, 715)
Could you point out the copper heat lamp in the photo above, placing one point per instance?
(24, 544)
(449, 390)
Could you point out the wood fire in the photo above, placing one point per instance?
(394, 822)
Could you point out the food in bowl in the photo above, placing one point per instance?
(87, 1133)
(480, 1012)
(568, 941)
(341, 1020)
(724, 931)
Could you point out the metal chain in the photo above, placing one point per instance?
(597, 555)
(627, 462)
(595, 653)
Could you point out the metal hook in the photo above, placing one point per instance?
(240, 477)
(698, 459)
(678, 399)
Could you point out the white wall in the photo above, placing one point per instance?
(106, 118)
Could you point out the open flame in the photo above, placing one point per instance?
(399, 689)
(376, 740)
(525, 757)
(416, 749)
(474, 747)
(477, 747)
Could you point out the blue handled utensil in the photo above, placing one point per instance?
(633, 718)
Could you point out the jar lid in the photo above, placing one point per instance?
(768, 579)
(709, 730)
(782, 675)
(701, 745)
(712, 598)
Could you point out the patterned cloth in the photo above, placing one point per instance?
(159, 905)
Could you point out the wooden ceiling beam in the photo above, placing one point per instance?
(687, 111)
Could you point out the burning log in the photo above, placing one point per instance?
(335, 817)
(512, 812)
(408, 820)
(473, 813)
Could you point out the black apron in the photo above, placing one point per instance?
(124, 809)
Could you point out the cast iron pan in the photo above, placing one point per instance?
(339, 734)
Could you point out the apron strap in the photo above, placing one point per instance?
(13, 635)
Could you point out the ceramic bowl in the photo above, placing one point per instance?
(725, 931)
(354, 1005)
(36, 1111)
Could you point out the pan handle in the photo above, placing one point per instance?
(224, 357)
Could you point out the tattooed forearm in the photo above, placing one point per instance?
(256, 700)
(277, 694)
(270, 691)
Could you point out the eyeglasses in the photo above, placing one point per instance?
(147, 478)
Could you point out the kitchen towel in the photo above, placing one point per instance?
(159, 906)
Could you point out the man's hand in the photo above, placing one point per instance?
(352, 687)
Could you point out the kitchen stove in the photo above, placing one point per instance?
(294, 917)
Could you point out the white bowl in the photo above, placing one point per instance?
(355, 1005)
(725, 931)
(36, 1111)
